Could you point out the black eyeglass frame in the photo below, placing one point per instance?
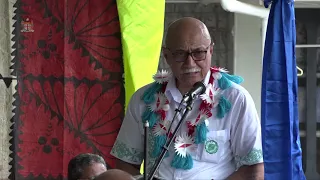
(187, 54)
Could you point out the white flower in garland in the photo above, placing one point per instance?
(211, 96)
(161, 103)
(184, 145)
(217, 72)
(224, 70)
(162, 76)
(203, 116)
(217, 75)
(161, 128)
(219, 69)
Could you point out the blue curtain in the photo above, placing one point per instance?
(279, 111)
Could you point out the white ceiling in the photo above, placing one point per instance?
(298, 3)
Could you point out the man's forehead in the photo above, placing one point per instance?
(187, 41)
(187, 45)
(187, 31)
(187, 48)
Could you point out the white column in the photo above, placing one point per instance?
(6, 10)
(248, 54)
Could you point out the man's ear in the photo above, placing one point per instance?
(166, 54)
(211, 48)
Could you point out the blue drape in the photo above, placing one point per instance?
(279, 111)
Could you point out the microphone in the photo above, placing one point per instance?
(197, 89)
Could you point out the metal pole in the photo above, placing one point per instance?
(308, 46)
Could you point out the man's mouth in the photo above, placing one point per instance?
(193, 71)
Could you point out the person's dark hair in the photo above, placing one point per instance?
(77, 164)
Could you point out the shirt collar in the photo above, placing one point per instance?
(172, 92)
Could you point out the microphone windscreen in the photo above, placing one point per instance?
(200, 85)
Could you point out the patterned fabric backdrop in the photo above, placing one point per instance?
(70, 94)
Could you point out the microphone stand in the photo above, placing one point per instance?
(146, 158)
(165, 148)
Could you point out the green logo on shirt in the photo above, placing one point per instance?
(211, 146)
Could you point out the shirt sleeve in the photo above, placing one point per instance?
(128, 146)
(245, 131)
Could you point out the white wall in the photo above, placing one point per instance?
(248, 54)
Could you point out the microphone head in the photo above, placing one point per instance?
(200, 85)
(197, 89)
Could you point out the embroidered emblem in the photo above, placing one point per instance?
(211, 147)
(27, 25)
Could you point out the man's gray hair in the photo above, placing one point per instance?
(77, 164)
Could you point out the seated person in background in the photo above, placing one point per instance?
(86, 166)
(114, 174)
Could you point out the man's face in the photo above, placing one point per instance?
(93, 170)
(189, 58)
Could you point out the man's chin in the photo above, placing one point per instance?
(190, 82)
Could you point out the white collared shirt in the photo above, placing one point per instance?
(238, 135)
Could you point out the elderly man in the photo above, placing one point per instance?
(86, 166)
(114, 174)
(221, 136)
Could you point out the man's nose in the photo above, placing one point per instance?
(189, 60)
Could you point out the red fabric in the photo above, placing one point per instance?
(70, 86)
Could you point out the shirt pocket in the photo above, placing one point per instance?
(215, 146)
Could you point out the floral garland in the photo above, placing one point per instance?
(157, 106)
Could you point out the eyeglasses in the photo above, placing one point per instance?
(197, 55)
